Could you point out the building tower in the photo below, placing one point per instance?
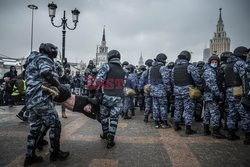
(102, 51)
(141, 62)
(220, 42)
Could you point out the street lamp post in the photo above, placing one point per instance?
(32, 7)
(75, 14)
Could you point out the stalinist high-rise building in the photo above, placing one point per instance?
(102, 52)
(220, 42)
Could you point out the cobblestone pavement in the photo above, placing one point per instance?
(137, 144)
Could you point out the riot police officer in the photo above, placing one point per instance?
(143, 81)
(213, 94)
(131, 83)
(185, 76)
(171, 99)
(199, 102)
(160, 89)
(234, 77)
(111, 77)
(43, 115)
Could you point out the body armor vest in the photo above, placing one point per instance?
(232, 79)
(181, 76)
(155, 75)
(113, 85)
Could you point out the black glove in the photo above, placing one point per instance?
(99, 96)
(246, 103)
(141, 91)
(50, 79)
(64, 94)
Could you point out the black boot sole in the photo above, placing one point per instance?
(52, 159)
(110, 145)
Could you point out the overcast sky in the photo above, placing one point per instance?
(132, 26)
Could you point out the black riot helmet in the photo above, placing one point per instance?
(224, 56)
(149, 62)
(48, 49)
(125, 63)
(142, 68)
(113, 54)
(241, 52)
(170, 65)
(161, 58)
(185, 55)
(200, 63)
(213, 57)
(130, 68)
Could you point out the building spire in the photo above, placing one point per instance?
(220, 17)
(103, 35)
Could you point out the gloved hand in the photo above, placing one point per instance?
(64, 94)
(99, 96)
(141, 91)
(219, 97)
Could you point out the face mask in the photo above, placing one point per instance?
(214, 65)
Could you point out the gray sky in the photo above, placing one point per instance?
(132, 26)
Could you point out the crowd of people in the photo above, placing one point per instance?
(216, 93)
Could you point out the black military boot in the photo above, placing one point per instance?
(126, 116)
(176, 126)
(103, 136)
(122, 114)
(145, 119)
(247, 138)
(216, 133)
(206, 130)
(190, 131)
(55, 152)
(165, 125)
(110, 141)
(58, 154)
(232, 135)
(157, 124)
(132, 112)
(32, 160)
(41, 143)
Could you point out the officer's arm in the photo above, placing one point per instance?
(240, 67)
(195, 75)
(142, 80)
(210, 80)
(166, 78)
(101, 76)
(45, 66)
